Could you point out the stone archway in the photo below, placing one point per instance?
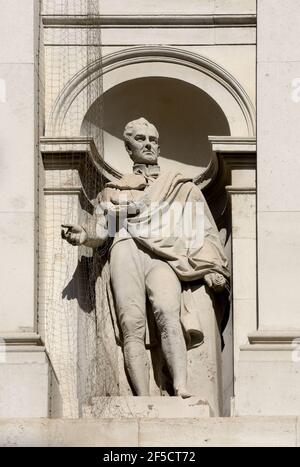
(149, 61)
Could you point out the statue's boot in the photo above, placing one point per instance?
(181, 391)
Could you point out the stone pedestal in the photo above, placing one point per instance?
(147, 407)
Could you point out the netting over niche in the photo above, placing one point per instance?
(77, 338)
(75, 312)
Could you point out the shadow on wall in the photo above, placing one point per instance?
(183, 114)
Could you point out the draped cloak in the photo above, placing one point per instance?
(173, 223)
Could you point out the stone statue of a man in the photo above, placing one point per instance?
(152, 257)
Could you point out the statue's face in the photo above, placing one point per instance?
(142, 145)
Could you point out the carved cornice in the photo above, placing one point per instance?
(81, 154)
(63, 152)
(230, 153)
(150, 21)
(73, 190)
(233, 153)
(227, 145)
(21, 339)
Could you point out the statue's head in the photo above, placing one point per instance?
(141, 141)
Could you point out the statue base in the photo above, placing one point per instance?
(146, 407)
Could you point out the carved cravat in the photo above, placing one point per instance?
(148, 171)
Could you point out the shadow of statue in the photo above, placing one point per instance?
(82, 285)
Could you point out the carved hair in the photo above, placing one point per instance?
(139, 122)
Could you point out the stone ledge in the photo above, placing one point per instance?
(235, 432)
(21, 339)
(274, 337)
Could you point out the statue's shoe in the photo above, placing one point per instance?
(182, 392)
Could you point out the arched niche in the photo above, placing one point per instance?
(188, 73)
(184, 115)
(172, 73)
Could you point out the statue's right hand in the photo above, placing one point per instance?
(75, 234)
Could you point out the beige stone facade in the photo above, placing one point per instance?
(221, 75)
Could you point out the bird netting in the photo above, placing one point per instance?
(77, 333)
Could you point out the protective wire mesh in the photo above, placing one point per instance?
(73, 316)
(73, 313)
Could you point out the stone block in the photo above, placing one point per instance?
(24, 384)
(222, 432)
(17, 31)
(68, 433)
(156, 7)
(274, 18)
(235, 7)
(17, 285)
(157, 36)
(243, 216)
(279, 269)
(17, 144)
(235, 35)
(244, 322)
(244, 264)
(267, 378)
(278, 163)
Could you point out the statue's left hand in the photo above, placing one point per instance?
(124, 208)
(215, 281)
(135, 208)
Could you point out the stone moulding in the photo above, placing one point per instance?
(233, 190)
(236, 151)
(76, 154)
(163, 21)
(143, 54)
(228, 144)
(274, 337)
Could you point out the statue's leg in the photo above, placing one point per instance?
(164, 292)
(128, 283)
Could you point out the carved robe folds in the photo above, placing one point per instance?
(167, 216)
